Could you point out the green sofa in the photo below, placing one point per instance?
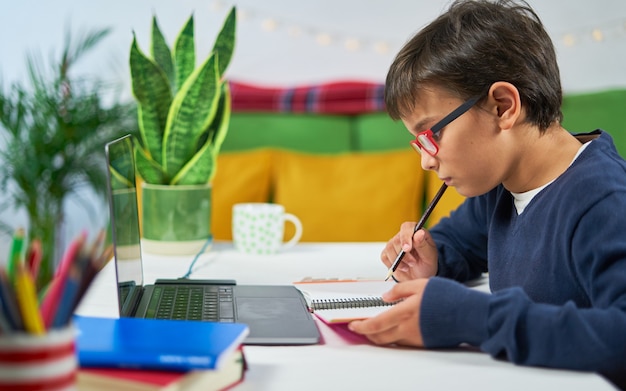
(353, 177)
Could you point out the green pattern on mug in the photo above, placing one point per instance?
(258, 228)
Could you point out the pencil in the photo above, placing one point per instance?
(53, 295)
(9, 303)
(27, 301)
(16, 253)
(91, 269)
(5, 327)
(96, 247)
(68, 297)
(418, 226)
(33, 258)
(88, 267)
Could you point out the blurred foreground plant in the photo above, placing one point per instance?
(52, 134)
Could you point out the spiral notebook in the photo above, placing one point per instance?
(343, 302)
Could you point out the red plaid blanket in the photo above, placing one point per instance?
(344, 97)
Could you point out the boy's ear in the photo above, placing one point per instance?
(507, 103)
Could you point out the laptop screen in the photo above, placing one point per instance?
(122, 194)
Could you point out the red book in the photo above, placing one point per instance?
(128, 379)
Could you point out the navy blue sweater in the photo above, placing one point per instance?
(557, 272)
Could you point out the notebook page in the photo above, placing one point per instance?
(359, 292)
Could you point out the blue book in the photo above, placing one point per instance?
(178, 345)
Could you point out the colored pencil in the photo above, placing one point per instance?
(96, 247)
(5, 327)
(19, 301)
(53, 296)
(106, 256)
(27, 301)
(68, 298)
(15, 256)
(9, 303)
(90, 271)
(33, 258)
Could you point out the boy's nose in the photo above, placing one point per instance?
(428, 162)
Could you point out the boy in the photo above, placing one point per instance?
(543, 209)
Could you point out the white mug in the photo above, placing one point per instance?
(258, 228)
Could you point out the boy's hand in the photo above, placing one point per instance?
(420, 258)
(400, 324)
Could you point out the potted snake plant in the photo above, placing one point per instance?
(184, 112)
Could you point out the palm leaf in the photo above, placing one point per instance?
(72, 53)
(54, 128)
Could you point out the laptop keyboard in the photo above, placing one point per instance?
(207, 303)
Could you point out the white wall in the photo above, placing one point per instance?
(290, 53)
(278, 57)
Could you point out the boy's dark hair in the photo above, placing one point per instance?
(473, 45)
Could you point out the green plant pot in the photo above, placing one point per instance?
(176, 220)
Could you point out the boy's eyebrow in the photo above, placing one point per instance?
(421, 125)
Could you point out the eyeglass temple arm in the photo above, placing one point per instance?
(453, 115)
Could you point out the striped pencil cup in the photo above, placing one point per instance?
(45, 362)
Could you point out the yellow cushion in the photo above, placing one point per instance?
(349, 197)
(240, 177)
(450, 200)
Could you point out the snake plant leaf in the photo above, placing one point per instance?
(184, 53)
(198, 169)
(222, 117)
(120, 165)
(204, 167)
(211, 132)
(225, 41)
(192, 110)
(148, 169)
(222, 127)
(118, 181)
(191, 128)
(152, 92)
(161, 52)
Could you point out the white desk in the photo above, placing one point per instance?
(336, 364)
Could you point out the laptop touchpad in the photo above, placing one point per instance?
(267, 308)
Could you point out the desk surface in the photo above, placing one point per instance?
(338, 364)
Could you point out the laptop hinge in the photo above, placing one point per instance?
(132, 302)
(188, 281)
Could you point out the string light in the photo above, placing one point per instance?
(321, 37)
(597, 35)
(615, 30)
(242, 15)
(352, 44)
(268, 23)
(569, 40)
(381, 47)
(217, 6)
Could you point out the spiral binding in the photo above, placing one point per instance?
(356, 302)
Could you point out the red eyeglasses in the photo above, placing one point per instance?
(425, 141)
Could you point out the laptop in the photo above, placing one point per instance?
(275, 314)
